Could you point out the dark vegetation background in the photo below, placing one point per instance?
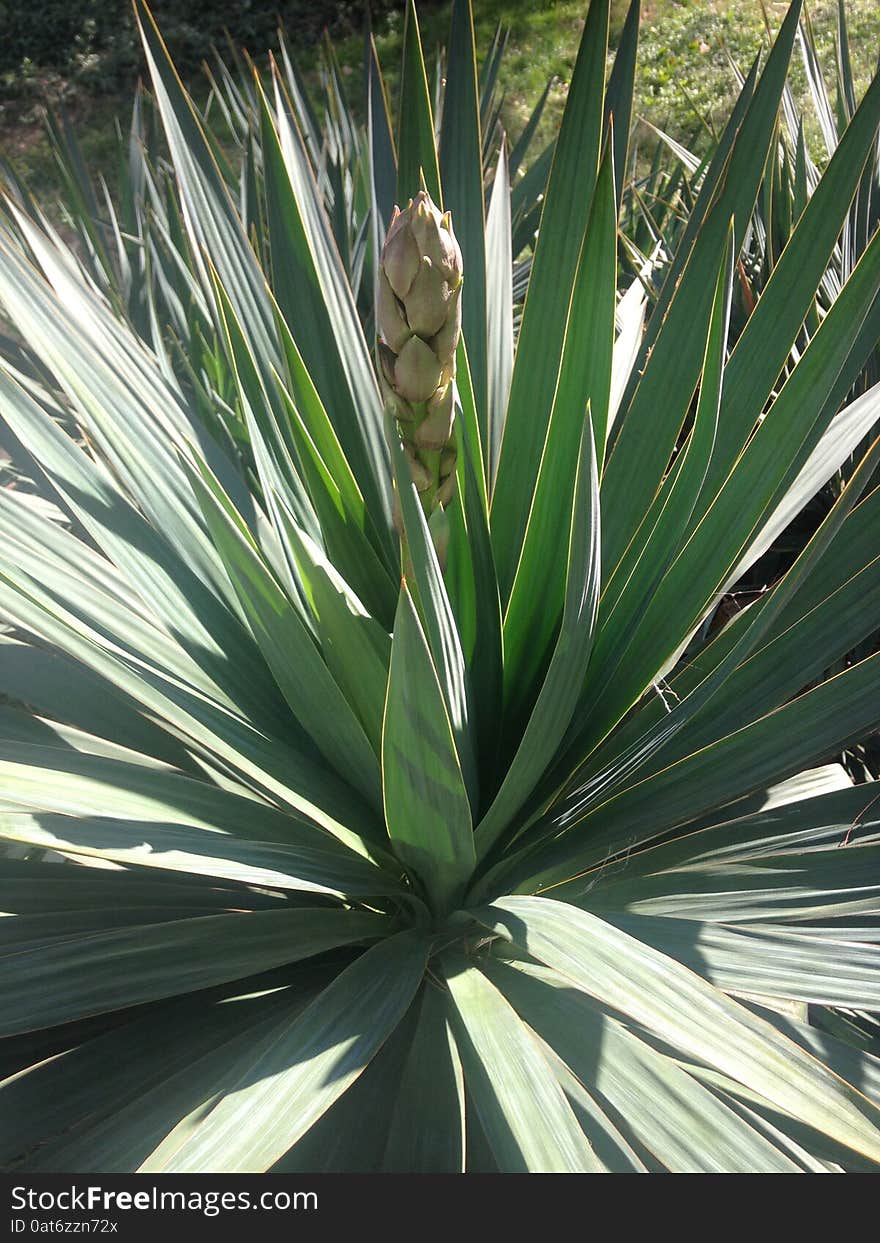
(95, 41)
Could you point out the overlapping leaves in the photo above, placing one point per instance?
(317, 860)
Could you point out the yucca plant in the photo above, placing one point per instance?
(322, 856)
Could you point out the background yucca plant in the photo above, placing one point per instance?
(659, 200)
(514, 866)
(656, 210)
(131, 237)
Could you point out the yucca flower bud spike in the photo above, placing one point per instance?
(418, 316)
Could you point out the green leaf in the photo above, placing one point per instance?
(762, 475)
(80, 195)
(264, 412)
(584, 383)
(654, 546)
(87, 974)
(462, 176)
(499, 310)
(204, 625)
(551, 714)
(659, 537)
(526, 1118)
(817, 809)
(350, 1137)
(857, 1067)
(55, 687)
(630, 323)
(436, 615)
(119, 396)
(347, 526)
(795, 885)
(426, 803)
(827, 614)
(383, 157)
(416, 148)
(661, 399)
(838, 442)
(539, 351)
(682, 1009)
(211, 220)
(527, 198)
(304, 679)
(710, 186)
(523, 143)
(356, 648)
(765, 750)
(107, 1103)
(468, 419)
(613, 1150)
(288, 1081)
(309, 861)
(485, 659)
(620, 92)
(211, 729)
(798, 654)
(317, 303)
(680, 1122)
(36, 889)
(769, 960)
(766, 340)
(427, 1118)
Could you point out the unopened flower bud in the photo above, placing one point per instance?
(416, 371)
(435, 429)
(418, 317)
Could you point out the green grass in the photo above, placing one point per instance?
(685, 82)
(685, 79)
